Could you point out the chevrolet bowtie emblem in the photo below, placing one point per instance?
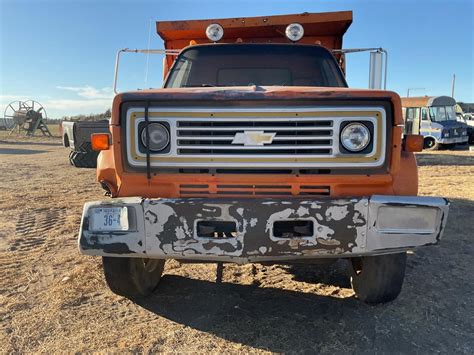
(256, 138)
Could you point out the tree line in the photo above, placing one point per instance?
(92, 117)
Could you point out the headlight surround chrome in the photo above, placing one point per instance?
(159, 137)
(355, 137)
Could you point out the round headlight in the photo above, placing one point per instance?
(159, 137)
(294, 32)
(214, 32)
(355, 137)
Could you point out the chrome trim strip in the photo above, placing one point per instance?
(299, 161)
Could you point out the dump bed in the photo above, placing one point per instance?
(325, 28)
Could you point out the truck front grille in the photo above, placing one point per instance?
(290, 137)
(234, 138)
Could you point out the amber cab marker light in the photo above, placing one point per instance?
(100, 141)
(413, 143)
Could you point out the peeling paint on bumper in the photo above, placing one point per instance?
(168, 228)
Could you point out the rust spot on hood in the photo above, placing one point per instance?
(256, 93)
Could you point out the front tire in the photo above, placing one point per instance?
(431, 144)
(378, 279)
(132, 277)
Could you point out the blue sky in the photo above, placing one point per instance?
(62, 53)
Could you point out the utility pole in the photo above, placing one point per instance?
(452, 85)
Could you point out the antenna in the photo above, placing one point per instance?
(148, 55)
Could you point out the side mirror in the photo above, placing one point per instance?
(375, 70)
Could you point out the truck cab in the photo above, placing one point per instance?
(255, 150)
(434, 117)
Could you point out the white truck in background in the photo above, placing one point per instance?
(77, 136)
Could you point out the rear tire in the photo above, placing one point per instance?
(132, 277)
(430, 144)
(378, 279)
(83, 159)
(71, 157)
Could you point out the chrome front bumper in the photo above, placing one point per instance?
(455, 140)
(190, 228)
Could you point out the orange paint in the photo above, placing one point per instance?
(413, 143)
(328, 29)
(396, 181)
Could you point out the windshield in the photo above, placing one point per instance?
(255, 64)
(442, 113)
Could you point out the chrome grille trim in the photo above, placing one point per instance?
(292, 146)
(265, 147)
(224, 138)
(255, 128)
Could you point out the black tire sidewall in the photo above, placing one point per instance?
(381, 278)
(83, 159)
(145, 281)
(127, 276)
(433, 146)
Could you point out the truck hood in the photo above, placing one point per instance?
(450, 124)
(257, 93)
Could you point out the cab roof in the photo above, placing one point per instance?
(427, 101)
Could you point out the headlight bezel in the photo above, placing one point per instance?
(367, 148)
(141, 138)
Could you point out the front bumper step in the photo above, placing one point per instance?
(252, 230)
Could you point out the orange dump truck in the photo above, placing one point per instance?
(255, 150)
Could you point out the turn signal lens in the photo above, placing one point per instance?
(100, 141)
(413, 143)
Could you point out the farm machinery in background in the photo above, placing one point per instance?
(25, 117)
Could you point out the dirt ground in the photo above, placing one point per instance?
(52, 299)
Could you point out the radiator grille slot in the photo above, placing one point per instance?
(222, 190)
(301, 137)
(254, 171)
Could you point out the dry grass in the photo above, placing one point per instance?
(52, 299)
